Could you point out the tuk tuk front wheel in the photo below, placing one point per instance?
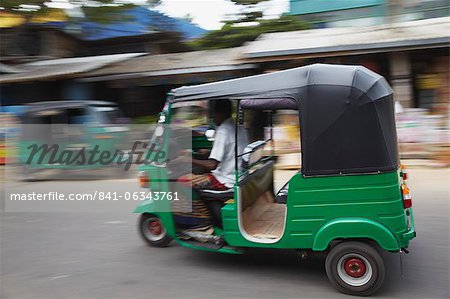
(152, 231)
(355, 268)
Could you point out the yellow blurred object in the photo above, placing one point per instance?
(2, 154)
(8, 20)
(286, 137)
(103, 137)
(56, 15)
(428, 81)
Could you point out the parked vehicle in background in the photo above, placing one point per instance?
(73, 126)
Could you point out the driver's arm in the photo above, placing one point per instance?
(209, 164)
(217, 153)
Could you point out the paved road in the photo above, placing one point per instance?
(99, 255)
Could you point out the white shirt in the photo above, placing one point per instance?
(223, 151)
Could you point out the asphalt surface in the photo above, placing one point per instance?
(99, 255)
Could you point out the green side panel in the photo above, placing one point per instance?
(321, 209)
(354, 228)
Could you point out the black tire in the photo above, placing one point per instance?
(355, 268)
(153, 238)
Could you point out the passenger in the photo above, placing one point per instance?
(220, 165)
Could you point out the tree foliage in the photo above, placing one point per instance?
(250, 12)
(234, 36)
(188, 17)
(246, 26)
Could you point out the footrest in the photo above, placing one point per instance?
(221, 195)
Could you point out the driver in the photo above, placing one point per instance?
(219, 166)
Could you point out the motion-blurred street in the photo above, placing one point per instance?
(99, 255)
(105, 103)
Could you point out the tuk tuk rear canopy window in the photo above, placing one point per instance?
(346, 113)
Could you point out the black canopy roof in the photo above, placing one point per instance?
(346, 113)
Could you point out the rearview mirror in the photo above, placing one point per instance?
(162, 118)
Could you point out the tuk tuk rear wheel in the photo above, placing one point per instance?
(152, 231)
(355, 268)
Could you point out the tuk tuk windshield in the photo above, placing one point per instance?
(193, 114)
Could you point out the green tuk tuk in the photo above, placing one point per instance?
(54, 131)
(348, 200)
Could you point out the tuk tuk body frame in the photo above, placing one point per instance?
(328, 201)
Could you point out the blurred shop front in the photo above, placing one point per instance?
(413, 56)
(137, 82)
(140, 85)
(431, 79)
(52, 79)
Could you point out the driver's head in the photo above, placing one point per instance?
(222, 111)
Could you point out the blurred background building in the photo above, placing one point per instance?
(139, 30)
(350, 13)
(138, 55)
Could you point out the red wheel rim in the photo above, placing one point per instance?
(155, 227)
(355, 267)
